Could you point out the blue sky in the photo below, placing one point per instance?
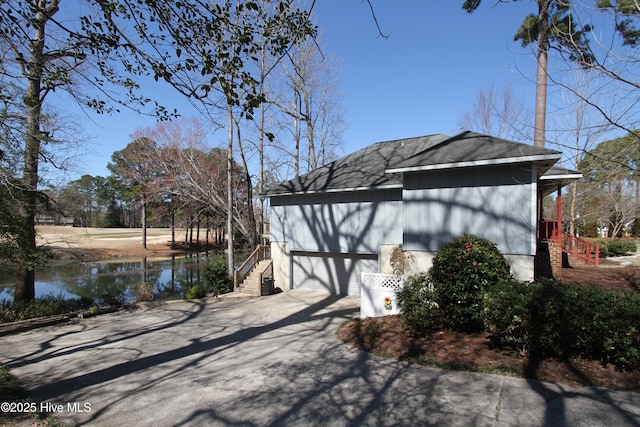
(429, 71)
(419, 81)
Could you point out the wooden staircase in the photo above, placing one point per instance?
(249, 277)
(252, 283)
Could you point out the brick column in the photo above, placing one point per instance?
(555, 255)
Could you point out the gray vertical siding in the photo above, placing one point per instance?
(350, 222)
(330, 272)
(497, 203)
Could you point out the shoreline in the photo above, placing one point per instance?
(109, 244)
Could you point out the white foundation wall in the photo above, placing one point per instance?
(416, 261)
(419, 262)
(522, 266)
(385, 259)
(281, 265)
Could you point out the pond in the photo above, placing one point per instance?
(103, 280)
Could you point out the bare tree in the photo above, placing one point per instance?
(42, 53)
(101, 45)
(553, 27)
(613, 62)
(497, 114)
(216, 57)
(191, 171)
(311, 99)
(577, 129)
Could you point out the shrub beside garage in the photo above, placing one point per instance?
(469, 289)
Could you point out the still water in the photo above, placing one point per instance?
(100, 280)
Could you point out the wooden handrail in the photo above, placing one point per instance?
(575, 246)
(260, 253)
(581, 248)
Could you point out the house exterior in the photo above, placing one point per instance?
(333, 223)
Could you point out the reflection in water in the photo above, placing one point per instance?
(101, 280)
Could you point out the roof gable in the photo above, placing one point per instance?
(375, 166)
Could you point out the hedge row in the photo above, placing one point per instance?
(552, 319)
(48, 305)
(612, 248)
(469, 288)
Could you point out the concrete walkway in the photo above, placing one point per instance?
(272, 361)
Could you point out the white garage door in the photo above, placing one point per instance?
(332, 273)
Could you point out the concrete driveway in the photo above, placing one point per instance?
(272, 361)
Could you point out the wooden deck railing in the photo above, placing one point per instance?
(574, 246)
(582, 249)
(260, 253)
(550, 230)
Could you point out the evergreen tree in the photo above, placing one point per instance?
(554, 26)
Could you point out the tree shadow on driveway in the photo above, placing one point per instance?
(272, 361)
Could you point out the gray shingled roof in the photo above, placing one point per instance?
(375, 165)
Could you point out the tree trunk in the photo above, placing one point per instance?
(186, 233)
(173, 227)
(143, 217)
(206, 236)
(296, 138)
(251, 214)
(25, 277)
(541, 77)
(261, 172)
(230, 264)
(308, 118)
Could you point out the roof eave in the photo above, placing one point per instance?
(475, 163)
(550, 183)
(337, 190)
(572, 177)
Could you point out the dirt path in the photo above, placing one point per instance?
(608, 276)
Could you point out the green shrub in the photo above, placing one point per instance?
(620, 330)
(48, 305)
(621, 247)
(549, 323)
(612, 248)
(195, 292)
(505, 313)
(418, 309)
(552, 319)
(461, 271)
(216, 275)
(603, 246)
(589, 322)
